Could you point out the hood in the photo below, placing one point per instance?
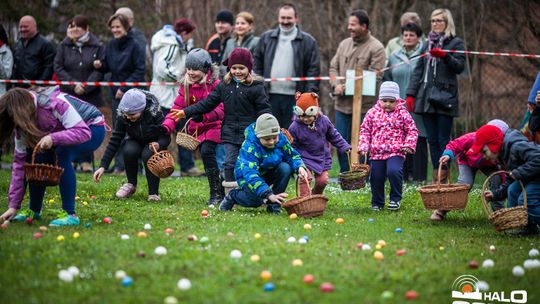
(511, 137)
(249, 133)
(212, 75)
(166, 37)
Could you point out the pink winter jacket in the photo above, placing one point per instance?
(385, 134)
(210, 127)
(459, 147)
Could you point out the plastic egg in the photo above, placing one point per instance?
(327, 287)
(531, 264)
(534, 253)
(382, 243)
(147, 226)
(65, 275)
(482, 286)
(518, 271)
(169, 230)
(120, 274)
(85, 203)
(257, 236)
(37, 235)
(269, 287)
(124, 237)
(204, 240)
(473, 264)
(307, 226)
(184, 284)
(379, 256)
(387, 294)
(266, 275)
(401, 252)
(60, 238)
(366, 247)
(43, 228)
(236, 254)
(293, 216)
(302, 241)
(370, 220)
(339, 220)
(297, 263)
(492, 248)
(191, 237)
(204, 213)
(160, 250)
(127, 281)
(107, 220)
(74, 270)
(76, 235)
(398, 230)
(378, 247)
(308, 279)
(142, 234)
(488, 263)
(170, 300)
(255, 258)
(411, 295)
(291, 239)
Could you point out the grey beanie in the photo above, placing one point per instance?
(266, 125)
(389, 89)
(198, 59)
(133, 101)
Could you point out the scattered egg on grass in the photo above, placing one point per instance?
(147, 226)
(65, 275)
(170, 300)
(127, 281)
(269, 287)
(74, 270)
(160, 250)
(265, 275)
(518, 271)
(482, 286)
(184, 284)
(120, 274)
(291, 239)
(236, 254)
(534, 253)
(488, 263)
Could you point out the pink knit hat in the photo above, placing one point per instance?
(240, 56)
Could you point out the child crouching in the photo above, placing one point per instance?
(266, 158)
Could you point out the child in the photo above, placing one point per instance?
(244, 99)
(311, 131)
(266, 158)
(387, 133)
(201, 77)
(56, 123)
(140, 118)
(469, 164)
(522, 160)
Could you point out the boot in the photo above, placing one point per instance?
(214, 182)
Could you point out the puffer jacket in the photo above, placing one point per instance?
(254, 160)
(459, 147)
(385, 134)
(210, 126)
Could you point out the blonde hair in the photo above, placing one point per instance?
(450, 29)
(228, 78)
(247, 16)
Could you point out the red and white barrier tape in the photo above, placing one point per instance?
(315, 78)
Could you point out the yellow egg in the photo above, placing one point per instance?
(142, 234)
(307, 226)
(257, 236)
(76, 235)
(51, 201)
(266, 275)
(85, 203)
(382, 243)
(441, 248)
(255, 258)
(297, 263)
(378, 246)
(77, 197)
(60, 238)
(379, 256)
(293, 216)
(340, 220)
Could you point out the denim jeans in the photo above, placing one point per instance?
(515, 198)
(278, 178)
(220, 156)
(344, 126)
(380, 169)
(438, 129)
(231, 154)
(467, 175)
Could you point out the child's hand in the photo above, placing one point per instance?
(444, 159)
(339, 89)
(363, 153)
(302, 173)
(153, 146)
(407, 150)
(97, 175)
(119, 94)
(8, 215)
(97, 64)
(488, 195)
(278, 198)
(177, 114)
(45, 143)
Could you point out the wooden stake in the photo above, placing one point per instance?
(356, 114)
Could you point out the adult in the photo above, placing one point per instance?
(415, 167)
(34, 55)
(359, 50)
(169, 52)
(124, 59)
(243, 36)
(530, 126)
(287, 51)
(133, 31)
(224, 25)
(74, 61)
(433, 88)
(396, 43)
(6, 59)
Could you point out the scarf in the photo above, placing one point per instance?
(435, 40)
(82, 40)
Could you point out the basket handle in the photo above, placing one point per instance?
(484, 187)
(184, 129)
(36, 149)
(297, 182)
(153, 148)
(448, 177)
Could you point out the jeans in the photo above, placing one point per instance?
(231, 154)
(278, 178)
(438, 129)
(380, 169)
(220, 156)
(467, 174)
(344, 127)
(282, 108)
(133, 150)
(68, 181)
(515, 198)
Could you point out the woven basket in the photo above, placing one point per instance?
(186, 141)
(308, 206)
(288, 135)
(43, 174)
(445, 196)
(356, 178)
(506, 218)
(161, 163)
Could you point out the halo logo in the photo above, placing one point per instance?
(466, 290)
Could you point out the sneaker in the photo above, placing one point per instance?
(530, 229)
(23, 215)
(438, 215)
(226, 204)
(394, 205)
(193, 172)
(154, 198)
(126, 190)
(65, 219)
(376, 208)
(86, 167)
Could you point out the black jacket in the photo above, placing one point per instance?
(242, 104)
(442, 73)
(35, 60)
(306, 58)
(73, 63)
(145, 130)
(519, 156)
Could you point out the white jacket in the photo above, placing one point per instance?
(6, 66)
(169, 56)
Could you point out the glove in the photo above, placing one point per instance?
(197, 118)
(410, 103)
(437, 52)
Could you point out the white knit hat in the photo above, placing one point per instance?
(389, 90)
(266, 125)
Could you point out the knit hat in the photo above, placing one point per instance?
(488, 135)
(225, 16)
(240, 56)
(266, 125)
(503, 126)
(184, 25)
(306, 104)
(198, 59)
(133, 101)
(389, 90)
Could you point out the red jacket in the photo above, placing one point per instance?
(459, 147)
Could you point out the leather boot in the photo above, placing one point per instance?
(214, 182)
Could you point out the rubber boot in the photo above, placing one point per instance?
(214, 182)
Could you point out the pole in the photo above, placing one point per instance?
(356, 114)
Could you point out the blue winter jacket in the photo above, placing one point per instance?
(254, 161)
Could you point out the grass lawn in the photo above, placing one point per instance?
(436, 253)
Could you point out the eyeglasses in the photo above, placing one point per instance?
(437, 20)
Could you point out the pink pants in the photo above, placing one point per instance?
(320, 183)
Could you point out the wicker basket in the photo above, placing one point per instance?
(288, 135)
(308, 206)
(356, 178)
(186, 141)
(446, 196)
(161, 164)
(43, 174)
(506, 218)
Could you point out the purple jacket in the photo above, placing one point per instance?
(313, 144)
(66, 119)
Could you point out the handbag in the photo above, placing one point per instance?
(439, 98)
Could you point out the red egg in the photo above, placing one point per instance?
(327, 287)
(309, 278)
(204, 213)
(359, 245)
(411, 295)
(38, 235)
(107, 220)
(29, 220)
(401, 252)
(191, 237)
(93, 197)
(168, 231)
(473, 264)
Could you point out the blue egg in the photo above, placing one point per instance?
(87, 225)
(370, 220)
(127, 281)
(398, 230)
(305, 237)
(269, 287)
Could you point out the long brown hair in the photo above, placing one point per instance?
(18, 111)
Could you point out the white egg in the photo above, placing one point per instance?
(534, 253)
(366, 247)
(65, 275)
(531, 264)
(492, 248)
(488, 263)
(184, 284)
(236, 254)
(160, 250)
(518, 271)
(147, 226)
(170, 300)
(291, 239)
(302, 241)
(74, 271)
(482, 286)
(124, 237)
(120, 274)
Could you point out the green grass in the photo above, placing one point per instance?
(437, 253)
